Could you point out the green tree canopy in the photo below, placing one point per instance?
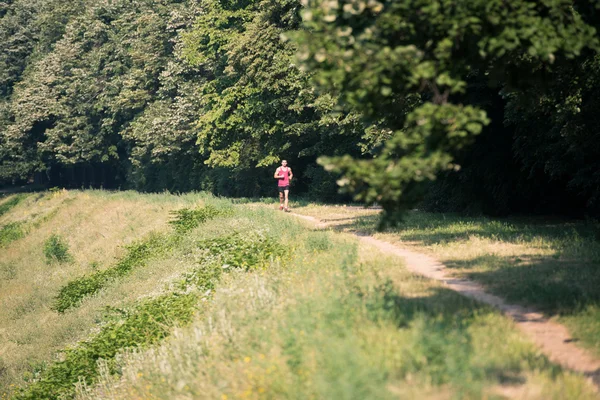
(377, 56)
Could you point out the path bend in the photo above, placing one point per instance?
(552, 338)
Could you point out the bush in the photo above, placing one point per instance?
(57, 250)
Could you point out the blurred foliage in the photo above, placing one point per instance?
(379, 55)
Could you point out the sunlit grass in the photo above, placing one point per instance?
(96, 226)
(550, 263)
(348, 324)
(332, 319)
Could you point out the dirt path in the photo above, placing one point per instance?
(553, 338)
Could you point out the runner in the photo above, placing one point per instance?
(284, 175)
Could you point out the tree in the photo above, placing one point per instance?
(258, 106)
(379, 56)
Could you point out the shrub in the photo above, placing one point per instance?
(56, 250)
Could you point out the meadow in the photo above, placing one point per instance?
(550, 263)
(133, 296)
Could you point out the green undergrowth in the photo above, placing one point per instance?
(146, 324)
(56, 250)
(338, 322)
(153, 320)
(11, 232)
(187, 219)
(14, 231)
(12, 202)
(138, 255)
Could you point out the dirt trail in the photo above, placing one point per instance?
(553, 338)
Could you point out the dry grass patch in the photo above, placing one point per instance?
(341, 322)
(96, 226)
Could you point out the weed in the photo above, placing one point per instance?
(12, 202)
(147, 324)
(187, 219)
(318, 241)
(7, 271)
(152, 320)
(56, 250)
(249, 252)
(138, 254)
(10, 232)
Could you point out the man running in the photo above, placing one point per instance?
(284, 175)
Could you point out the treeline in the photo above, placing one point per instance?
(497, 101)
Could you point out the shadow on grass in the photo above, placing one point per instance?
(8, 190)
(556, 287)
(429, 228)
(562, 283)
(449, 339)
(565, 283)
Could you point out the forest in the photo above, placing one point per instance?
(480, 107)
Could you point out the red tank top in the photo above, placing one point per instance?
(286, 176)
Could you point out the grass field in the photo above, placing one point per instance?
(249, 303)
(549, 263)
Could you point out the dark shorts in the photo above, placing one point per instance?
(282, 188)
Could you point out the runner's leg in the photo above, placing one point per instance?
(281, 200)
(287, 192)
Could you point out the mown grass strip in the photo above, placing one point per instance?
(153, 320)
(137, 256)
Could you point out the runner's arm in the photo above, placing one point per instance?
(290, 173)
(277, 176)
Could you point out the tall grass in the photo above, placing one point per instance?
(97, 227)
(342, 323)
(250, 305)
(550, 263)
(14, 200)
